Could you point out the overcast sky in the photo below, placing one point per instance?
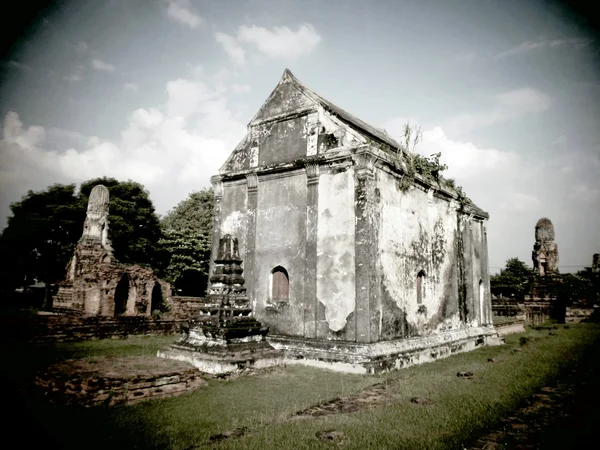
(161, 92)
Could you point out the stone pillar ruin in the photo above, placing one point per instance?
(225, 337)
(542, 301)
(545, 250)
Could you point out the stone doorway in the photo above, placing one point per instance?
(156, 301)
(122, 295)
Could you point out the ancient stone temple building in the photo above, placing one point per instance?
(350, 258)
(96, 283)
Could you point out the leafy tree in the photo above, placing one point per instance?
(583, 286)
(575, 287)
(45, 226)
(40, 236)
(187, 238)
(514, 277)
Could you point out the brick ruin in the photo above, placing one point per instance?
(542, 299)
(543, 296)
(96, 284)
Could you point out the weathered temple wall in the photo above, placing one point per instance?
(283, 141)
(420, 232)
(234, 217)
(336, 256)
(281, 241)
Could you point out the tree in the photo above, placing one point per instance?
(514, 277)
(40, 236)
(45, 226)
(575, 287)
(187, 238)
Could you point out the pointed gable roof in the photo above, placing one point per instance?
(296, 96)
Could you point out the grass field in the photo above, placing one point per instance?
(265, 404)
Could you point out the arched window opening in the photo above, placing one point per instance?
(156, 303)
(191, 283)
(420, 279)
(121, 295)
(280, 285)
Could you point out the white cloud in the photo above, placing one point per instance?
(278, 42)
(172, 149)
(18, 65)
(131, 87)
(232, 48)
(465, 159)
(467, 57)
(197, 70)
(13, 132)
(101, 65)
(507, 106)
(183, 12)
(529, 46)
(523, 101)
(73, 77)
(560, 140)
(281, 42)
(185, 96)
(81, 47)
(519, 202)
(585, 194)
(240, 88)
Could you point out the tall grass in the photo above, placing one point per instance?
(265, 403)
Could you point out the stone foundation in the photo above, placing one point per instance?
(231, 358)
(517, 326)
(576, 315)
(382, 356)
(534, 311)
(116, 381)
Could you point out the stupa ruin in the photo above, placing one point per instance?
(96, 284)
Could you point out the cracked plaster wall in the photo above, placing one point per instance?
(336, 247)
(418, 231)
(234, 217)
(281, 241)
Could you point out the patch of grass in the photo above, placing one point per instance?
(265, 403)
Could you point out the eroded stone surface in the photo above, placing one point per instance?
(116, 380)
